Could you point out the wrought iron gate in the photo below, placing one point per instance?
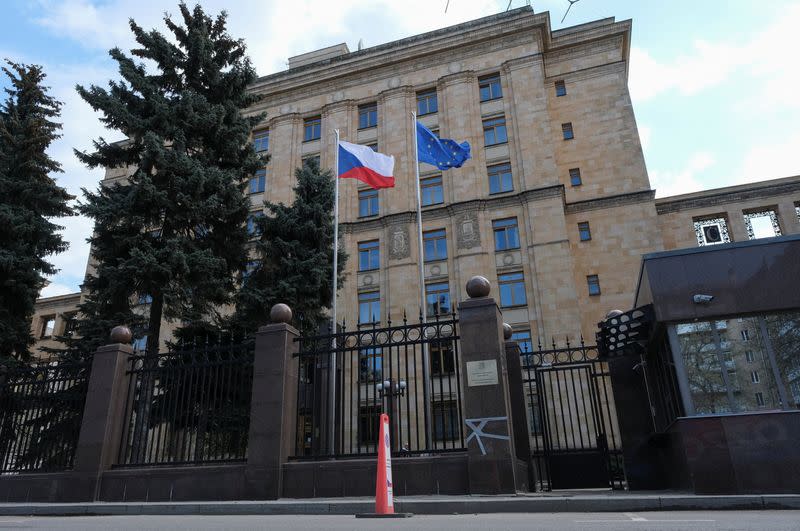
(575, 439)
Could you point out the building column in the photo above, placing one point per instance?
(492, 463)
(103, 417)
(285, 136)
(273, 406)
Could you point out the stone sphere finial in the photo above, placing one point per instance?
(280, 313)
(121, 334)
(478, 286)
(507, 331)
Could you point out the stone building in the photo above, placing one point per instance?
(555, 208)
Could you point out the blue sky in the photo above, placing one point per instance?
(714, 82)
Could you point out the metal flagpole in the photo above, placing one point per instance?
(332, 365)
(426, 383)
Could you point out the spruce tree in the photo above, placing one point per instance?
(29, 199)
(172, 233)
(294, 255)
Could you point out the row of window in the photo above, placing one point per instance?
(759, 223)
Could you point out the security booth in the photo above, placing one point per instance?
(705, 369)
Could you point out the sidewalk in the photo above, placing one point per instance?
(522, 503)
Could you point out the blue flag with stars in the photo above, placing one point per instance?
(440, 152)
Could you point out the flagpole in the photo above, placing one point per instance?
(332, 366)
(426, 384)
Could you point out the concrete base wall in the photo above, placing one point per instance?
(206, 483)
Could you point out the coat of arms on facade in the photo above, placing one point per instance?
(399, 245)
(467, 227)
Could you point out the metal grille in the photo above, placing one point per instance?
(380, 370)
(575, 441)
(190, 405)
(41, 407)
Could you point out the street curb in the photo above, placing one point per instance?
(420, 506)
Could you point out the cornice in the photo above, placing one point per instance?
(347, 105)
(610, 201)
(401, 92)
(712, 198)
(456, 78)
(281, 118)
(522, 62)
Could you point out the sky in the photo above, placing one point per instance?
(714, 83)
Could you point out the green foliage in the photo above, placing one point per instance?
(294, 255)
(174, 229)
(29, 198)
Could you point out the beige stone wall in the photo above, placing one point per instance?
(59, 309)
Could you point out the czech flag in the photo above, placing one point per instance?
(360, 162)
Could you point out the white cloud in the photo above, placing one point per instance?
(767, 57)
(770, 161)
(685, 180)
(53, 290)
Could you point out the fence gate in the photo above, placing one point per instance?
(575, 438)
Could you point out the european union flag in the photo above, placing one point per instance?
(440, 152)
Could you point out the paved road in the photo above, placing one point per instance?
(705, 520)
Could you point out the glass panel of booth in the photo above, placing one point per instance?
(739, 364)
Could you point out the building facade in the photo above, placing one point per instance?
(555, 208)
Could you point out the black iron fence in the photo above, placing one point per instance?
(575, 440)
(41, 408)
(410, 371)
(190, 405)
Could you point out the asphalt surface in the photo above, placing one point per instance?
(673, 520)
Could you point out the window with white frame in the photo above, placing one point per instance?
(711, 231)
(762, 224)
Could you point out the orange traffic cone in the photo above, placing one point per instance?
(384, 495)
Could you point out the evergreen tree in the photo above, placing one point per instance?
(29, 198)
(294, 255)
(173, 231)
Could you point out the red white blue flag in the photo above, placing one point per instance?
(364, 164)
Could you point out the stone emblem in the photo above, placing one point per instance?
(467, 227)
(399, 245)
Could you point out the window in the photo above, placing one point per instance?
(442, 359)
(523, 339)
(431, 190)
(561, 88)
(500, 178)
(48, 325)
(506, 234)
(584, 231)
(369, 256)
(258, 183)
(566, 131)
(369, 307)
(367, 203)
(749, 356)
(593, 282)
(490, 88)
(370, 365)
(312, 129)
(512, 290)
(435, 245)
(311, 160)
(437, 298)
(140, 344)
(445, 420)
(711, 231)
(367, 115)
(760, 399)
(252, 224)
(373, 147)
(368, 424)
(494, 131)
(762, 224)
(575, 177)
(261, 141)
(427, 102)
(145, 298)
(754, 377)
(70, 323)
(745, 335)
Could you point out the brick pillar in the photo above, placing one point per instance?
(519, 406)
(489, 430)
(273, 407)
(103, 417)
